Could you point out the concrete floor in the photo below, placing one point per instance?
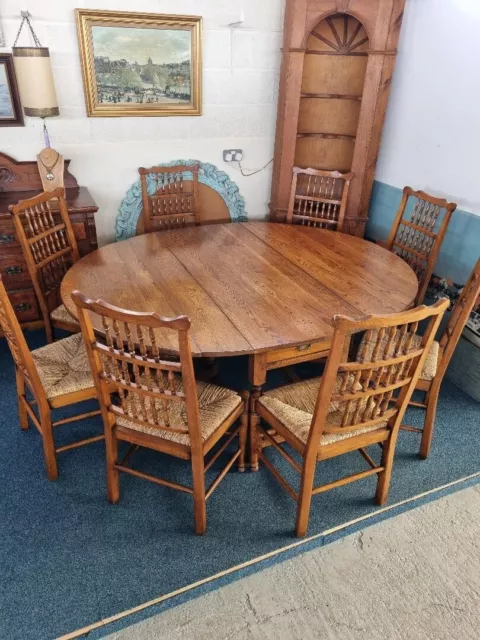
(416, 576)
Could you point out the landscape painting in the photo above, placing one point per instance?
(6, 102)
(140, 64)
(10, 109)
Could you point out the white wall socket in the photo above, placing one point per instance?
(231, 155)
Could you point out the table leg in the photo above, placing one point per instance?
(208, 369)
(258, 377)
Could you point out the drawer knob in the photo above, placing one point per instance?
(23, 306)
(304, 347)
(13, 271)
(7, 238)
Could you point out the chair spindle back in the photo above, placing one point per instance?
(171, 205)
(465, 304)
(375, 388)
(48, 244)
(318, 198)
(153, 392)
(417, 240)
(21, 355)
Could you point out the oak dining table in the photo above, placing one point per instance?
(267, 290)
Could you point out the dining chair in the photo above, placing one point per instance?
(418, 231)
(56, 375)
(161, 405)
(318, 198)
(353, 405)
(441, 353)
(50, 249)
(173, 204)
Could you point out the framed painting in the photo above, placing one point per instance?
(10, 108)
(140, 64)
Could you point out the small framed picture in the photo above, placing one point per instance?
(140, 64)
(11, 114)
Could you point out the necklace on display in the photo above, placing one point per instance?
(50, 168)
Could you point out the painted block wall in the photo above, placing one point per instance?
(432, 131)
(240, 82)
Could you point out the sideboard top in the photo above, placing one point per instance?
(24, 176)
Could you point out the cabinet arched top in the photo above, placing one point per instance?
(338, 32)
(330, 17)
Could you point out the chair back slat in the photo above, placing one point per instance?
(171, 204)
(374, 387)
(418, 232)
(18, 345)
(45, 233)
(318, 198)
(466, 303)
(154, 392)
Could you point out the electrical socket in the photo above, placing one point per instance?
(231, 155)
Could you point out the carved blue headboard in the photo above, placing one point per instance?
(131, 206)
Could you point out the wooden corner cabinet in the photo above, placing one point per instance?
(18, 181)
(337, 63)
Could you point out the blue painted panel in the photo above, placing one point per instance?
(461, 247)
(131, 205)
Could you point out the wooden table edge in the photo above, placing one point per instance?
(314, 346)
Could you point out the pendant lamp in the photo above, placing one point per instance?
(34, 76)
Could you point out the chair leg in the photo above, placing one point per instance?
(305, 497)
(242, 437)
(22, 412)
(49, 452)
(254, 440)
(429, 423)
(384, 477)
(49, 331)
(199, 502)
(113, 475)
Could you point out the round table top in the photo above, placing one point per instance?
(246, 287)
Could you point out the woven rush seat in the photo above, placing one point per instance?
(370, 339)
(60, 314)
(294, 405)
(215, 404)
(63, 366)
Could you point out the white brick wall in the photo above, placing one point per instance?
(240, 80)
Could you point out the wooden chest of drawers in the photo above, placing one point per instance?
(13, 269)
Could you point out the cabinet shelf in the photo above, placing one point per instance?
(330, 96)
(327, 136)
(315, 52)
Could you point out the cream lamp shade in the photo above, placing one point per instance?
(35, 81)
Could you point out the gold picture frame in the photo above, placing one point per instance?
(155, 72)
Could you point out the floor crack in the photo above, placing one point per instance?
(264, 618)
(359, 540)
(349, 626)
(251, 607)
(449, 607)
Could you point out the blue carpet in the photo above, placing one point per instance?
(68, 558)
